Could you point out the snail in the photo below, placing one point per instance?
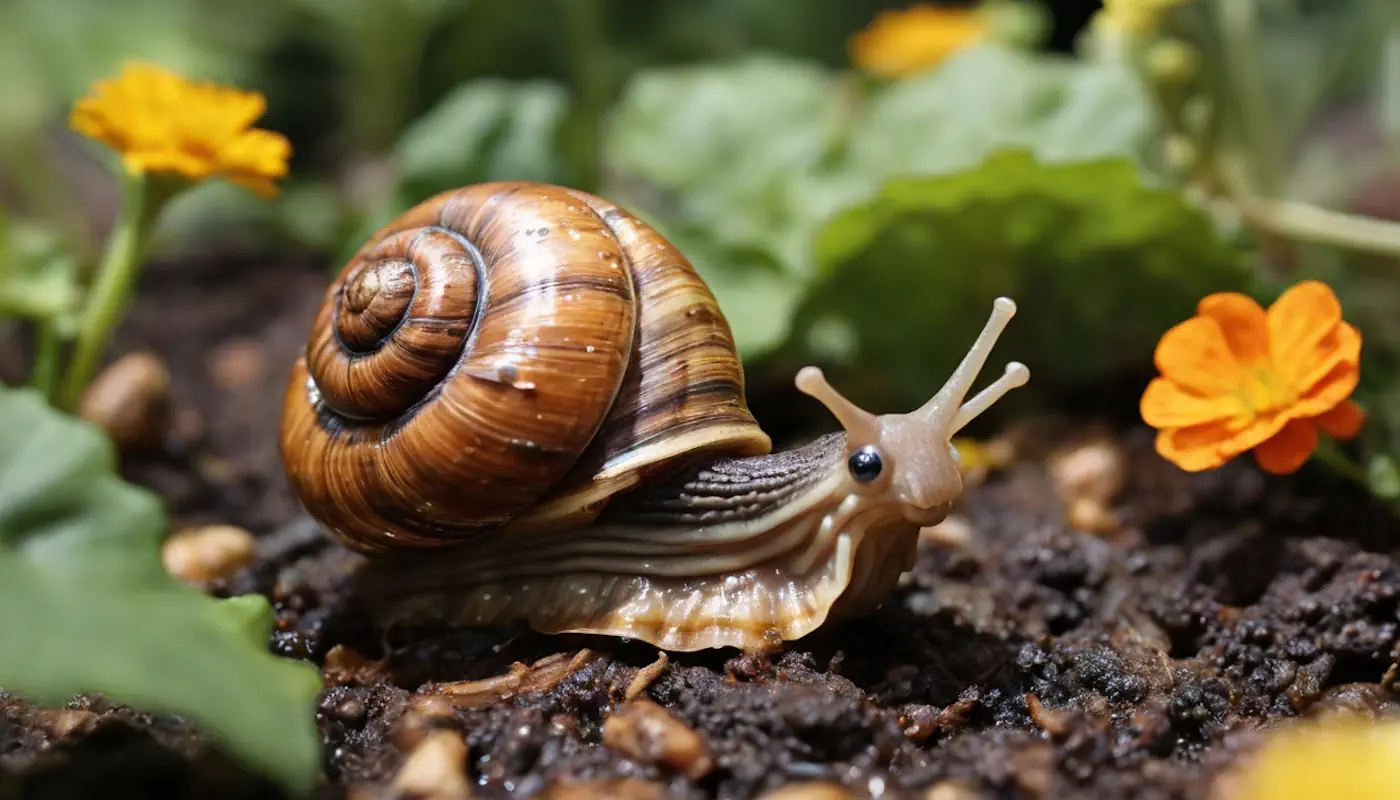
(519, 402)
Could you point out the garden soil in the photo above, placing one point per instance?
(1021, 658)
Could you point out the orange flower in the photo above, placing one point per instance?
(1237, 378)
(898, 43)
(163, 123)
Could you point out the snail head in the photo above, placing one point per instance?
(909, 459)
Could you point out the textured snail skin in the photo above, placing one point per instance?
(743, 553)
(521, 403)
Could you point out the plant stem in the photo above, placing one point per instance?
(1333, 458)
(1237, 23)
(588, 51)
(44, 374)
(110, 294)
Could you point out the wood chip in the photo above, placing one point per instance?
(646, 676)
(344, 665)
(541, 676)
(435, 770)
(1055, 723)
(647, 733)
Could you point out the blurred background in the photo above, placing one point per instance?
(346, 80)
(762, 137)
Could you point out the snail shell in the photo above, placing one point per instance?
(506, 353)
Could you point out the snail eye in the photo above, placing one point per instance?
(865, 464)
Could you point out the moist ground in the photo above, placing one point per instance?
(1034, 660)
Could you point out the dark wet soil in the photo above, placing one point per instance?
(1034, 660)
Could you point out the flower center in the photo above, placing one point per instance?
(1266, 390)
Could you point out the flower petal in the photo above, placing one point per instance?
(1192, 449)
(1166, 405)
(1300, 320)
(1287, 450)
(1199, 447)
(1342, 422)
(1243, 323)
(1307, 370)
(1327, 393)
(1194, 355)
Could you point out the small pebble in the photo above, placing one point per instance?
(1093, 470)
(426, 714)
(130, 401)
(604, 789)
(237, 364)
(200, 555)
(955, 531)
(950, 790)
(810, 790)
(645, 732)
(1091, 515)
(65, 723)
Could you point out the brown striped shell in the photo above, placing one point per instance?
(506, 355)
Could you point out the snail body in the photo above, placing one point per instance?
(520, 402)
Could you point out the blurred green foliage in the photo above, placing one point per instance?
(1101, 264)
(86, 605)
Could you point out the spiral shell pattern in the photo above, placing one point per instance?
(505, 353)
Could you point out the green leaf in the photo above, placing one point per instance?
(747, 160)
(485, 130)
(988, 97)
(1100, 264)
(739, 151)
(86, 606)
(38, 276)
(1383, 477)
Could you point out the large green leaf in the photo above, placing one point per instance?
(988, 97)
(1100, 264)
(485, 130)
(743, 162)
(86, 606)
(739, 151)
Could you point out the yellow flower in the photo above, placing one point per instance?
(1137, 17)
(160, 122)
(898, 43)
(1343, 756)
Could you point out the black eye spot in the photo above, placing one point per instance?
(865, 464)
